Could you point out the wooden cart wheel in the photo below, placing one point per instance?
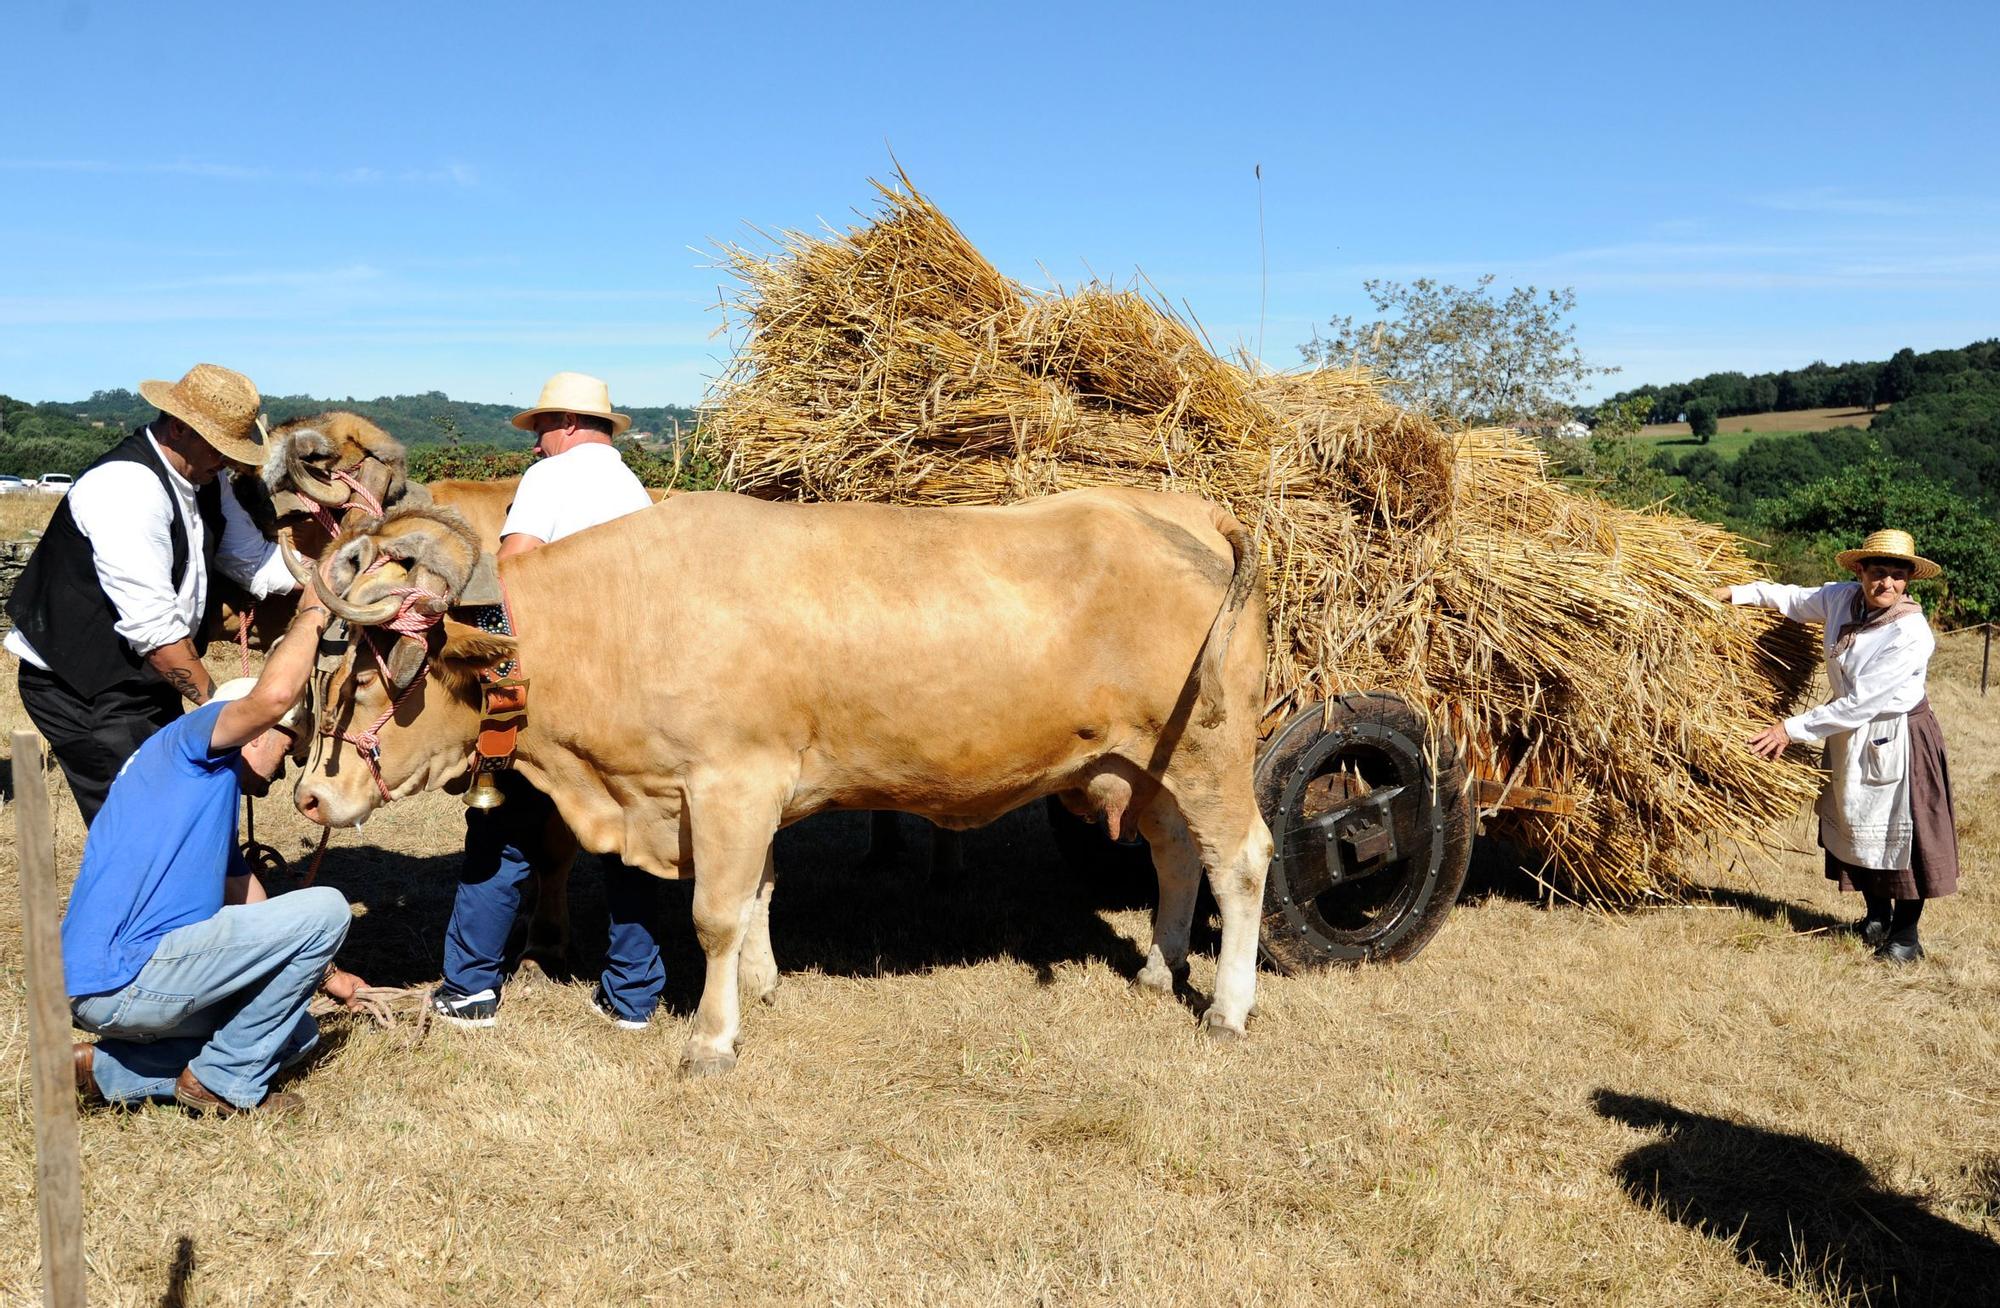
(1371, 849)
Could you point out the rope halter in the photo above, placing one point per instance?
(412, 621)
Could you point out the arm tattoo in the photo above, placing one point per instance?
(183, 681)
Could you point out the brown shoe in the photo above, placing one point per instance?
(83, 1057)
(191, 1094)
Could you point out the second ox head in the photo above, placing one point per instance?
(399, 709)
(338, 463)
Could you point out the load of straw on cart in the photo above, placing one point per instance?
(1451, 630)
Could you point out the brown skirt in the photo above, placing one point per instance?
(1933, 870)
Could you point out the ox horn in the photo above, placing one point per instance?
(372, 615)
(295, 562)
(311, 484)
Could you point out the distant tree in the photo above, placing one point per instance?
(1618, 418)
(1461, 354)
(1898, 378)
(1701, 419)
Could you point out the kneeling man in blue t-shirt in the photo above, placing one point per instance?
(196, 982)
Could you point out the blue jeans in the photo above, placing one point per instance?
(501, 847)
(225, 999)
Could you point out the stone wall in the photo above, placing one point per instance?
(13, 557)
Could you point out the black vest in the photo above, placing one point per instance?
(63, 611)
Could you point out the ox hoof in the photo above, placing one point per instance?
(1156, 977)
(1216, 1027)
(695, 1066)
(541, 965)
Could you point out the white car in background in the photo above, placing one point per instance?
(55, 483)
(10, 483)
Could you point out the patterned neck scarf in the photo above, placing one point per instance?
(1864, 618)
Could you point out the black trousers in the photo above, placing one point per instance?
(93, 736)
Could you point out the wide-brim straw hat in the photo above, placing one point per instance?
(573, 392)
(1890, 545)
(221, 405)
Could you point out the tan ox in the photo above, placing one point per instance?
(318, 461)
(718, 667)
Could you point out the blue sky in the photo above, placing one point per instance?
(370, 198)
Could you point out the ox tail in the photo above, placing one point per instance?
(1215, 649)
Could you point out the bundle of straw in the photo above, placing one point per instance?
(1565, 643)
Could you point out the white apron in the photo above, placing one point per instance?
(1864, 807)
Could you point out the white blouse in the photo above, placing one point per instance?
(1881, 673)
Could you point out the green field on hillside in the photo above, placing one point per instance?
(1725, 445)
(1733, 434)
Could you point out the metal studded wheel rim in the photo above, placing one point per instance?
(1362, 918)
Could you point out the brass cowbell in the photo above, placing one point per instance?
(484, 794)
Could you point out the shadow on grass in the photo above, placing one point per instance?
(178, 1273)
(1796, 918)
(1500, 869)
(1805, 1214)
(831, 911)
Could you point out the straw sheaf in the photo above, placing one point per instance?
(1564, 642)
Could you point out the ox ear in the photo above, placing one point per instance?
(469, 649)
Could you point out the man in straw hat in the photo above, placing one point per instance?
(196, 982)
(109, 615)
(1886, 819)
(579, 482)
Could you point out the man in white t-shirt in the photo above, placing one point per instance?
(579, 483)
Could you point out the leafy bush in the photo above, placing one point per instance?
(1837, 512)
(488, 463)
(467, 462)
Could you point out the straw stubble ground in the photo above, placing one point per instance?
(958, 1098)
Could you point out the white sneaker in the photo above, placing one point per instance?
(480, 1010)
(600, 1003)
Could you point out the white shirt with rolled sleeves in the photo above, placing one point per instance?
(569, 492)
(119, 508)
(1875, 682)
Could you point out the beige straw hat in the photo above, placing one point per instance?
(219, 404)
(573, 392)
(1890, 545)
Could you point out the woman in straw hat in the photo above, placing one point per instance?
(1886, 819)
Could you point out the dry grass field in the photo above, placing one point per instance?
(24, 513)
(958, 1097)
(1792, 420)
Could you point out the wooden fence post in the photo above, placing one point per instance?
(1985, 658)
(58, 1159)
